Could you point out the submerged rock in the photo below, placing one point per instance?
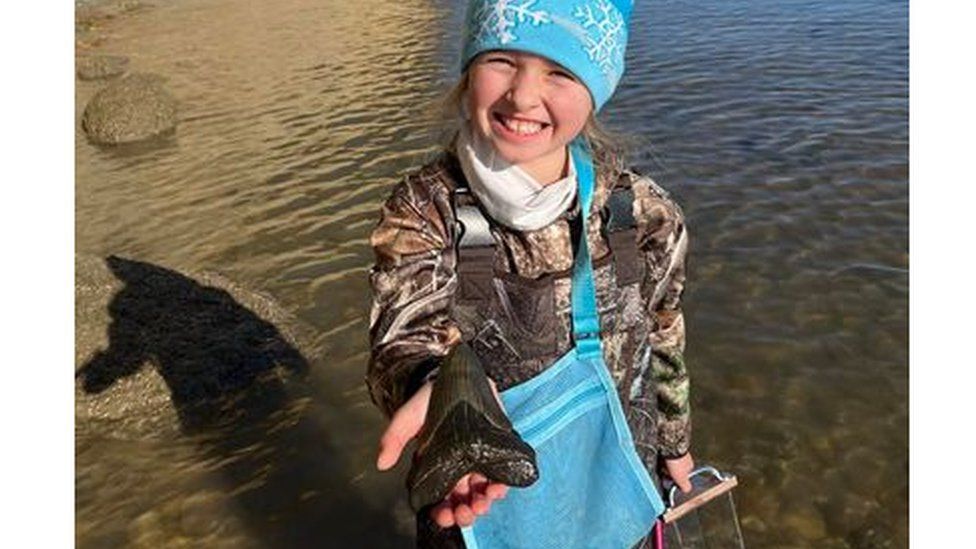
(807, 522)
(160, 353)
(93, 67)
(93, 16)
(132, 108)
(90, 12)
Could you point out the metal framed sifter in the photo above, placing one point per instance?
(703, 518)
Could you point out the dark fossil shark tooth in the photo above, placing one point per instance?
(466, 431)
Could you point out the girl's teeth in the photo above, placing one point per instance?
(522, 128)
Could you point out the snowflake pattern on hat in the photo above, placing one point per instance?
(500, 18)
(605, 35)
(587, 37)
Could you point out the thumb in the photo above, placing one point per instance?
(680, 475)
(405, 425)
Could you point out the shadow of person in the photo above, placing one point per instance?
(241, 393)
(219, 359)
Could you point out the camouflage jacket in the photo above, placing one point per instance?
(421, 308)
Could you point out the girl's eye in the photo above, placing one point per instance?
(503, 60)
(563, 74)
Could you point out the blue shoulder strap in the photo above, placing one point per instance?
(586, 319)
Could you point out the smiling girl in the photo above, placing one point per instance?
(528, 241)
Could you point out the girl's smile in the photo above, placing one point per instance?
(518, 129)
(529, 108)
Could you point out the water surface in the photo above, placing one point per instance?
(780, 126)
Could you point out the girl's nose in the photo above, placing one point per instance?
(525, 91)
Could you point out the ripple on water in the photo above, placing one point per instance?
(780, 126)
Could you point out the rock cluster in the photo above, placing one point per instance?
(131, 108)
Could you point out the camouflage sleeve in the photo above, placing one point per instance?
(663, 240)
(413, 283)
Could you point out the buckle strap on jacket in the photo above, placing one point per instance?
(476, 245)
(620, 228)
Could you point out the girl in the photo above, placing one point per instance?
(503, 243)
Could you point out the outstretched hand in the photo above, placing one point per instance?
(473, 494)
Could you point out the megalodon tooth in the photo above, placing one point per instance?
(466, 431)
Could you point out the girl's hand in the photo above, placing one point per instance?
(679, 469)
(472, 495)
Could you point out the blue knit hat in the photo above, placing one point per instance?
(587, 37)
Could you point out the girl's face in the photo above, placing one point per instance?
(528, 107)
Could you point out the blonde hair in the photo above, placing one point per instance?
(607, 145)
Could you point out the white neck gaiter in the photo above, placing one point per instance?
(509, 194)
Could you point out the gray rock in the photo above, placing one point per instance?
(94, 67)
(132, 108)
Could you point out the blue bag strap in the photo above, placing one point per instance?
(586, 319)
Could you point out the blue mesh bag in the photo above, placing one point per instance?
(593, 490)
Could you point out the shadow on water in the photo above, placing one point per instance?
(241, 392)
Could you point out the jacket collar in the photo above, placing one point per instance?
(607, 165)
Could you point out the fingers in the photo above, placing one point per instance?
(496, 490)
(480, 502)
(462, 488)
(405, 425)
(461, 501)
(463, 515)
(471, 497)
(443, 514)
(446, 513)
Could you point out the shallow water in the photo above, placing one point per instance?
(780, 126)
